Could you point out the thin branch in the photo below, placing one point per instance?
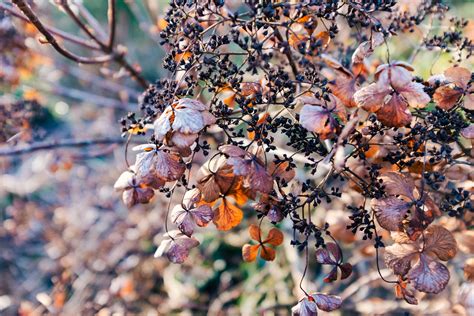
(64, 35)
(47, 145)
(26, 9)
(111, 15)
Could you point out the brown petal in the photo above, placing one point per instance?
(460, 76)
(227, 215)
(255, 233)
(428, 275)
(446, 96)
(399, 184)
(414, 94)
(397, 74)
(326, 302)
(395, 112)
(344, 88)
(259, 180)
(441, 242)
(249, 252)
(274, 238)
(398, 257)
(233, 151)
(390, 212)
(372, 97)
(281, 171)
(317, 119)
(346, 270)
(267, 253)
(169, 166)
(183, 220)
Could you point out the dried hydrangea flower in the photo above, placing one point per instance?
(157, 163)
(308, 306)
(189, 213)
(176, 246)
(135, 190)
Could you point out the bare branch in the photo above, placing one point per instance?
(47, 145)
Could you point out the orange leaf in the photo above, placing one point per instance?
(267, 253)
(249, 252)
(227, 216)
(274, 238)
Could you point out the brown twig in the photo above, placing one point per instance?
(64, 35)
(26, 9)
(112, 23)
(111, 54)
(19, 150)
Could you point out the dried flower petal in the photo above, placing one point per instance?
(176, 246)
(428, 275)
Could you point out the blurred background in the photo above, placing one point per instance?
(69, 246)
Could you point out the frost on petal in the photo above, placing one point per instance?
(176, 246)
(390, 212)
(372, 97)
(162, 124)
(191, 104)
(399, 184)
(441, 242)
(447, 96)
(414, 94)
(326, 302)
(398, 257)
(305, 307)
(188, 121)
(428, 275)
(395, 112)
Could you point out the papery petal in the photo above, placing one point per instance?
(346, 270)
(233, 151)
(304, 307)
(440, 241)
(162, 124)
(124, 181)
(168, 166)
(227, 216)
(468, 132)
(317, 119)
(428, 275)
(274, 238)
(249, 252)
(188, 121)
(372, 97)
(190, 104)
(414, 94)
(395, 112)
(398, 257)
(176, 249)
(447, 96)
(255, 233)
(327, 302)
(399, 184)
(202, 215)
(390, 212)
(460, 76)
(344, 89)
(183, 140)
(259, 180)
(267, 253)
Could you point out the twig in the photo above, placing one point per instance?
(26, 9)
(19, 150)
(64, 35)
(112, 23)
